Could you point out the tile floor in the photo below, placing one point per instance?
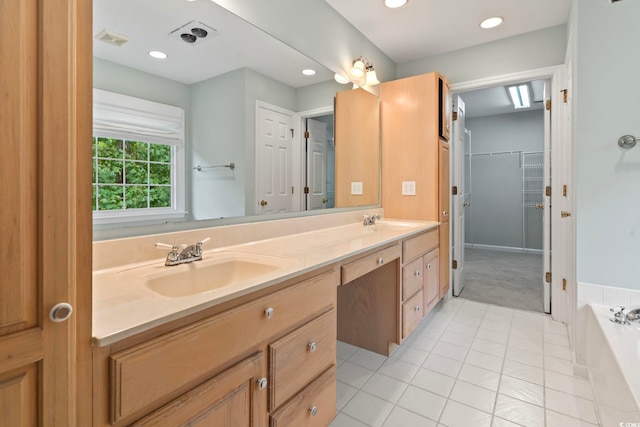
(468, 364)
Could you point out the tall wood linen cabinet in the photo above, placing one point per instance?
(415, 127)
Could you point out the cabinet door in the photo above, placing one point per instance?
(443, 182)
(230, 399)
(432, 279)
(444, 258)
(445, 109)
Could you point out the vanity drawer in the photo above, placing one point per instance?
(167, 365)
(420, 244)
(301, 356)
(412, 311)
(412, 278)
(315, 406)
(367, 264)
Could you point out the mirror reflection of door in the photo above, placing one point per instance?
(320, 164)
(274, 162)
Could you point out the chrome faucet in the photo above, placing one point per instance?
(189, 253)
(619, 315)
(370, 219)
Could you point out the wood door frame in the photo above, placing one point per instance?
(64, 214)
(560, 132)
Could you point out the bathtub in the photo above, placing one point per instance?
(613, 363)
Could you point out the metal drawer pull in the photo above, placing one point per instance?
(313, 411)
(417, 308)
(268, 313)
(428, 265)
(60, 312)
(312, 347)
(262, 383)
(380, 261)
(418, 273)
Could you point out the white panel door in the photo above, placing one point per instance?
(458, 201)
(316, 164)
(274, 161)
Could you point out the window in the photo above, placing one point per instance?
(138, 159)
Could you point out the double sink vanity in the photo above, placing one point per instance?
(247, 336)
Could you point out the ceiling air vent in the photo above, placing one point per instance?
(193, 33)
(112, 38)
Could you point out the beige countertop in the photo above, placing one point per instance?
(124, 306)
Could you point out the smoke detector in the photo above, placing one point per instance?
(110, 37)
(193, 33)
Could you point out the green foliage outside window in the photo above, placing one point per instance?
(130, 174)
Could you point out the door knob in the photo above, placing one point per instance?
(263, 203)
(565, 214)
(539, 205)
(466, 204)
(60, 312)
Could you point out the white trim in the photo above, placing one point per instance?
(538, 73)
(502, 248)
(553, 73)
(299, 120)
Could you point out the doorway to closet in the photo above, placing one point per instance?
(503, 167)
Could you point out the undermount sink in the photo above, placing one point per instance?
(398, 225)
(216, 270)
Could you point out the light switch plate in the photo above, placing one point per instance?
(408, 188)
(356, 188)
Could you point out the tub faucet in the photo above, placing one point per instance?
(370, 219)
(619, 315)
(189, 253)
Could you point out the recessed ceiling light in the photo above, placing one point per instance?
(157, 54)
(491, 22)
(394, 4)
(520, 96)
(308, 72)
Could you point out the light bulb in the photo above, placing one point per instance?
(357, 70)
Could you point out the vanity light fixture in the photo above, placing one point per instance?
(363, 73)
(520, 96)
(358, 67)
(308, 72)
(394, 4)
(157, 54)
(492, 22)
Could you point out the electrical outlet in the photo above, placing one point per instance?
(356, 188)
(408, 188)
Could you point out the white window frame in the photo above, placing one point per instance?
(135, 119)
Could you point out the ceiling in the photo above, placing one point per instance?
(424, 28)
(236, 43)
(414, 31)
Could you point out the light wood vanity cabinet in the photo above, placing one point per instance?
(415, 127)
(230, 367)
(420, 278)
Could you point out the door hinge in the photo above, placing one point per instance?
(306, 134)
(306, 190)
(454, 264)
(564, 284)
(292, 189)
(454, 116)
(548, 104)
(547, 277)
(565, 95)
(564, 190)
(547, 191)
(291, 132)
(454, 190)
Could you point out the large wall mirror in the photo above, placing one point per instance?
(259, 136)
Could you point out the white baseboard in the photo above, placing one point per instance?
(502, 248)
